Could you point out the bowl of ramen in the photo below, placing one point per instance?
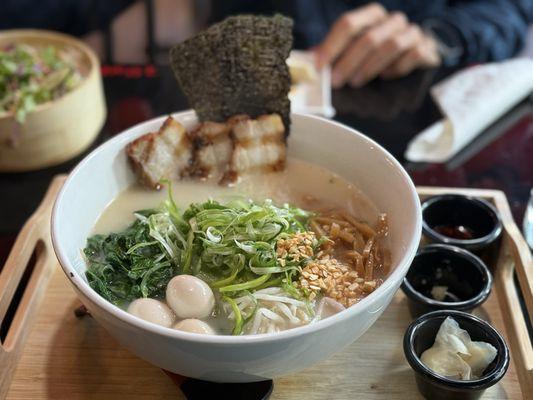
(229, 252)
(51, 99)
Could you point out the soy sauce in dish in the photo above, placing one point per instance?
(460, 232)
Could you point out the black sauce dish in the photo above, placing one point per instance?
(421, 335)
(463, 221)
(467, 278)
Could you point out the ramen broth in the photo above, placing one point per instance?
(302, 184)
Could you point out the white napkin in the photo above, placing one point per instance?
(312, 97)
(471, 100)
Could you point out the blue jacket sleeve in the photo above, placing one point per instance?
(481, 30)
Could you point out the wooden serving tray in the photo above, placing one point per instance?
(51, 354)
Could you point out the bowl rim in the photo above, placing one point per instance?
(419, 367)
(67, 40)
(473, 244)
(82, 285)
(474, 260)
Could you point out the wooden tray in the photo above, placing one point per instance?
(51, 354)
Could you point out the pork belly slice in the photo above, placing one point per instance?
(265, 128)
(221, 150)
(264, 157)
(165, 154)
(213, 146)
(259, 145)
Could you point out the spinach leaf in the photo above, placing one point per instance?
(127, 265)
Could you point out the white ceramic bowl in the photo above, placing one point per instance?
(97, 180)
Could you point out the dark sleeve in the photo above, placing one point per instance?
(480, 30)
(76, 17)
(225, 8)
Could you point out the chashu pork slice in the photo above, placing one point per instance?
(165, 154)
(259, 146)
(213, 146)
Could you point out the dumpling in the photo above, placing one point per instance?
(328, 307)
(452, 337)
(481, 355)
(446, 363)
(455, 355)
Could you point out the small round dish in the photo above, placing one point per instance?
(463, 221)
(420, 336)
(466, 279)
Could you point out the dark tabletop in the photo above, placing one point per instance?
(390, 112)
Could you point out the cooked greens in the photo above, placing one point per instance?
(230, 246)
(31, 75)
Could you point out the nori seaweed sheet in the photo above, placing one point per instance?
(237, 66)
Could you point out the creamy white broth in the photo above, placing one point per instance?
(301, 183)
(294, 185)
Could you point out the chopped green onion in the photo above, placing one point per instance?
(245, 285)
(237, 328)
(225, 281)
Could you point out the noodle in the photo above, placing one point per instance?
(346, 236)
(330, 220)
(368, 248)
(335, 230)
(317, 229)
(358, 259)
(357, 244)
(365, 229)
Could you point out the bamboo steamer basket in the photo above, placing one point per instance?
(59, 130)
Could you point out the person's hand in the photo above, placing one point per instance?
(369, 42)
